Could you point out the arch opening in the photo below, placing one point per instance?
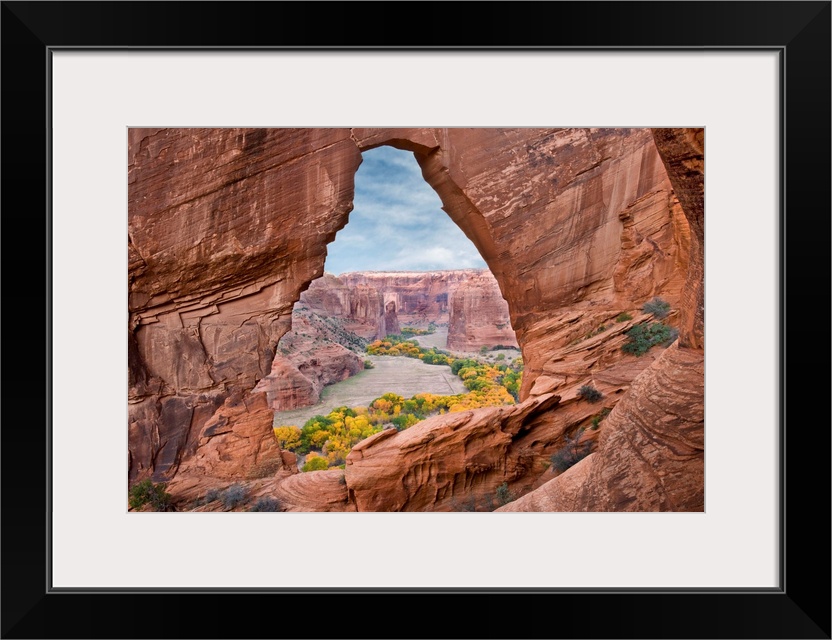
(406, 308)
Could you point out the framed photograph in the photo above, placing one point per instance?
(88, 86)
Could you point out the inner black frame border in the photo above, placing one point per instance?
(799, 31)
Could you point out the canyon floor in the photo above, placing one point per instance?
(404, 376)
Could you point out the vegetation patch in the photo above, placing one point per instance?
(233, 496)
(658, 307)
(414, 331)
(572, 452)
(265, 504)
(504, 495)
(596, 420)
(589, 393)
(398, 345)
(642, 337)
(145, 492)
(623, 317)
(328, 439)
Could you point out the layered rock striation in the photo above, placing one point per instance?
(315, 353)
(228, 226)
(469, 301)
(478, 315)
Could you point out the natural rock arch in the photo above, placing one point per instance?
(228, 226)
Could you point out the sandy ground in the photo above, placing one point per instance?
(404, 376)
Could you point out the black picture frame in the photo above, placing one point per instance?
(800, 608)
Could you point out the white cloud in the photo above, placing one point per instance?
(397, 222)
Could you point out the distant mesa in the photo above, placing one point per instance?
(469, 301)
(336, 317)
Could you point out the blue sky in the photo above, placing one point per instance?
(397, 223)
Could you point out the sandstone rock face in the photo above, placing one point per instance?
(683, 152)
(308, 358)
(237, 442)
(442, 461)
(468, 300)
(478, 315)
(228, 226)
(315, 491)
(650, 456)
(420, 297)
(456, 461)
(359, 306)
(390, 325)
(225, 227)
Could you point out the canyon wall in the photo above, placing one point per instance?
(228, 226)
(478, 315)
(359, 306)
(469, 301)
(309, 357)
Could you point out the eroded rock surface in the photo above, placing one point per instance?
(478, 315)
(650, 456)
(469, 301)
(311, 356)
(228, 226)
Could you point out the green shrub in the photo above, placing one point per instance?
(213, 494)
(572, 452)
(596, 420)
(504, 494)
(368, 364)
(642, 337)
(145, 492)
(658, 307)
(589, 393)
(623, 317)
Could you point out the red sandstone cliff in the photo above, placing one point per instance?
(478, 315)
(309, 358)
(468, 300)
(226, 227)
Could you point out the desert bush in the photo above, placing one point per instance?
(590, 393)
(658, 307)
(596, 420)
(503, 494)
(623, 317)
(145, 492)
(233, 496)
(641, 338)
(213, 494)
(572, 452)
(368, 364)
(265, 504)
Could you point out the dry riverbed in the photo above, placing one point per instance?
(392, 374)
